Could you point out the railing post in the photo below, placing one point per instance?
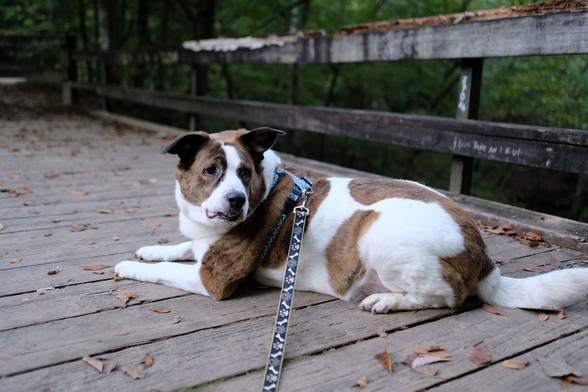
(70, 70)
(193, 126)
(468, 102)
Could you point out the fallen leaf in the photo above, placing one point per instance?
(103, 366)
(494, 310)
(125, 296)
(44, 290)
(160, 310)
(516, 365)
(147, 361)
(381, 333)
(436, 351)
(98, 272)
(419, 360)
(82, 227)
(385, 360)
(480, 356)
(361, 382)
(25, 299)
(1, 227)
(95, 267)
(53, 271)
(115, 238)
(104, 210)
(428, 372)
(28, 202)
(543, 316)
(80, 193)
(163, 241)
(16, 260)
(576, 380)
(135, 373)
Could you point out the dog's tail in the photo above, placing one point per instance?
(558, 289)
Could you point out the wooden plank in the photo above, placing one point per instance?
(548, 34)
(568, 351)
(340, 369)
(558, 149)
(558, 33)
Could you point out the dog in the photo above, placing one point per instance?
(388, 244)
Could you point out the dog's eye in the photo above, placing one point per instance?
(244, 173)
(209, 171)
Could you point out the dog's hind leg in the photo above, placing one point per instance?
(179, 252)
(386, 302)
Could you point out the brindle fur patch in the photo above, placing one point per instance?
(462, 271)
(231, 259)
(344, 263)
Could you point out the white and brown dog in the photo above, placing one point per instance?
(391, 244)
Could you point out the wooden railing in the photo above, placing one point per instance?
(557, 33)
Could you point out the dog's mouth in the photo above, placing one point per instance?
(231, 216)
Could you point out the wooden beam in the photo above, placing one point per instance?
(552, 148)
(547, 34)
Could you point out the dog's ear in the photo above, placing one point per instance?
(186, 147)
(259, 140)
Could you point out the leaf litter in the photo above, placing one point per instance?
(480, 356)
(103, 366)
(385, 360)
(425, 355)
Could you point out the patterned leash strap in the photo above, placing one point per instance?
(276, 355)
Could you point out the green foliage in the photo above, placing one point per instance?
(546, 91)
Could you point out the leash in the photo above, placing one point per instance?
(302, 189)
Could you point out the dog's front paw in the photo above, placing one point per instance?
(127, 269)
(152, 253)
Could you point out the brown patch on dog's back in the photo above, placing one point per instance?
(462, 271)
(344, 262)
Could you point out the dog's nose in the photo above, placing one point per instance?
(236, 199)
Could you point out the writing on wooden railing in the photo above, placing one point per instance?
(460, 144)
(462, 105)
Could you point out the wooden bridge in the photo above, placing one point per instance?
(80, 193)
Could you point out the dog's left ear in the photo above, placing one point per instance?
(259, 140)
(185, 147)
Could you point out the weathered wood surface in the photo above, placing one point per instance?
(551, 148)
(91, 192)
(563, 32)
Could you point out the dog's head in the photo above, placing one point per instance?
(222, 177)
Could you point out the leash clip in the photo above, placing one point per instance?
(301, 209)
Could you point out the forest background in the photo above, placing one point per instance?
(544, 91)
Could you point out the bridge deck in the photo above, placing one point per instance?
(80, 194)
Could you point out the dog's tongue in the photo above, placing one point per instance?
(211, 214)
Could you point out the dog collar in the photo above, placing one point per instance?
(302, 186)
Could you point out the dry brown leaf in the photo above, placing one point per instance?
(115, 238)
(428, 372)
(98, 272)
(95, 267)
(135, 373)
(163, 241)
(516, 365)
(147, 361)
(160, 310)
(494, 310)
(104, 210)
(543, 317)
(29, 202)
(125, 296)
(103, 366)
(44, 290)
(25, 299)
(361, 382)
(576, 380)
(80, 193)
(385, 360)
(436, 351)
(16, 260)
(480, 356)
(53, 271)
(381, 332)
